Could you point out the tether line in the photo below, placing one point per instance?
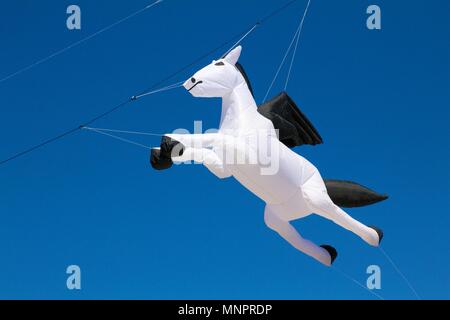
(400, 273)
(125, 131)
(294, 38)
(170, 87)
(296, 44)
(77, 43)
(357, 282)
(118, 138)
(19, 154)
(241, 39)
(131, 99)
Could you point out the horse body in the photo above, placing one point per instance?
(251, 132)
(294, 190)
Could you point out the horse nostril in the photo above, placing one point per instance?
(193, 80)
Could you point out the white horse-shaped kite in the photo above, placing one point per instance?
(294, 190)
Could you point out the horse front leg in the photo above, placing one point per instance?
(197, 140)
(174, 145)
(208, 158)
(161, 158)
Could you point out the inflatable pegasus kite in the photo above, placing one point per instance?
(295, 189)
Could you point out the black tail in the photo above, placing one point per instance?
(349, 194)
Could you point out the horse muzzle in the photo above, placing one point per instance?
(190, 84)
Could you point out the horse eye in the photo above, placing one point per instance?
(220, 63)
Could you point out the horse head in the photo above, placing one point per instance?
(217, 79)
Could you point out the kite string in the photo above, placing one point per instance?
(118, 138)
(125, 131)
(242, 38)
(169, 87)
(261, 21)
(296, 33)
(357, 282)
(60, 51)
(296, 44)
(400, 273)
(126, 102)
(85, 125)
(104, 131)
(281, 64)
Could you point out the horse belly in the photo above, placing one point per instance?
(279, 180)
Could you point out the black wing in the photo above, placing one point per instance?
(294, 128)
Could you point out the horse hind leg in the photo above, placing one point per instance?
(324, 254)
(327, 209)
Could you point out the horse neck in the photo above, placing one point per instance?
(234, 104)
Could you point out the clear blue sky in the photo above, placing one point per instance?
(379, 98)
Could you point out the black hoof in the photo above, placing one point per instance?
(332, 252)
(379, 232)
(171, 147)
(159, 161)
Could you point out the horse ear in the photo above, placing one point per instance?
(234, 54)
